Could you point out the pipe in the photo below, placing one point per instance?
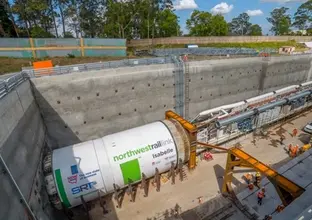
(306, 84)
(271, 105)
(300, 95)
(30, 212)
(212, 146)
(249, 113)
(230, 120)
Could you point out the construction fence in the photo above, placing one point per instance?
(61, 47)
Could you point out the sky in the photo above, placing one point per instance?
(258, 10)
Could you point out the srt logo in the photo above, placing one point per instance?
(82, 188)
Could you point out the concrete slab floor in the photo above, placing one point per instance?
(206, 180)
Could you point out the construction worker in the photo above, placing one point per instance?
(250, 186)
(294, 151)
(185, 58)
(295, 132)
(280, 208)
(248, 178)
(260, 196)
(290, 149)
(258, 179)
(268, 217)
(200, 200)
(263, 190)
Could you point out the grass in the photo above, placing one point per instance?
(9, 65)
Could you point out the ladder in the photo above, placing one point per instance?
(186, 90)
(178, 86)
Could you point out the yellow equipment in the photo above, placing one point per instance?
(286, 189)
(192, 132)
(305, 147)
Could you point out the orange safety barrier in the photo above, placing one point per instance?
(46, 65)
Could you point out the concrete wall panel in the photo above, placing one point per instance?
(95, 104)
(82, 106)
(22, 136)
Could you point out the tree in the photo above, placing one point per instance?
(8, 10)
(118, 24)
(62, 5)
(35, 13)
(255, 30)
(91, 17)
(6, 25)
(203, 23)
(219, 26)
(240, 25)
(168, 25)
(303, 16)
(38, 32)
(68, 35)
(280, 21)
(72, 19)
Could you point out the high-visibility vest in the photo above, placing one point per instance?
(184, 58)
(250, 186)
(295, 131)
(294, 149)
(260, 194)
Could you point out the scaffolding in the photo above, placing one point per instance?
(186, 89)
(178, 85)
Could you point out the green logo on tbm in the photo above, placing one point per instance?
(134, 152)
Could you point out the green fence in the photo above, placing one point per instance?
(56, 47)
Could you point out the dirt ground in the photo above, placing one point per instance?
(206, 180)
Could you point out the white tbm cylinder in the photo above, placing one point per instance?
(84, 169)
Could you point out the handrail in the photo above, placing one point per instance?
(6, 85)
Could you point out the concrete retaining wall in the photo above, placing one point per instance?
(219, 82)
(83, 106)
(22, 136)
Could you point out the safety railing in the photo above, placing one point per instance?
(59, 70)
(210, 51)
(6, 85)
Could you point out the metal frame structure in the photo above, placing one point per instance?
(186, 89)
(8, 84)
(286, 189)
(192, 133)
(178, 86)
